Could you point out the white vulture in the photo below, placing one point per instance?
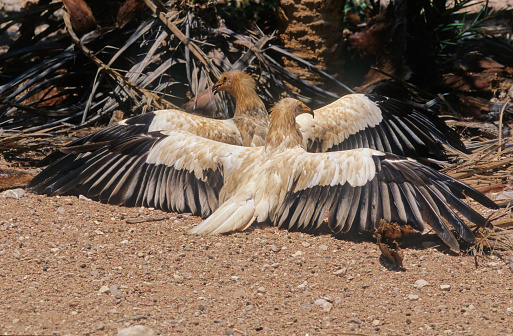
(280, 182)
(352, 121)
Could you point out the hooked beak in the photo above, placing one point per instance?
(302, 108)
(217, 86)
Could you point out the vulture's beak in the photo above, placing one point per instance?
(217, 86)
(302, 108)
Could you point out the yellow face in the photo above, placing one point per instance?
(302, 108)
(223, 82)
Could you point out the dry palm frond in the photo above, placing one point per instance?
(165, 58)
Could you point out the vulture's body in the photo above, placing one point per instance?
(280, 182)
(352, 121)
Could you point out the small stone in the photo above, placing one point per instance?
(14, 193)
(326, 306)
(445, 287)
(16, 320)
(114, 290)
(421, 283)
(298, 254)
(340, 272)
(98, 232)
(124, 241)
(235, 278)
(239, 293)
(261, 290)
(413, 297)
(303, 285)
(319, 302)
(323, 247)
(100, 327)
(61, 210)
(74, 313)
(306, 306)
(178, 278)
(354, 320)
(375, 323)
(83, 198)
(139, 317)
(137, 330)
(275, 248)
(305, 244)
(104, 289)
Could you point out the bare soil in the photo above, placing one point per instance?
(73, 266)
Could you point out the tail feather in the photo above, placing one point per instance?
(235, 214)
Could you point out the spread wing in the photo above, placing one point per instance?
(164, 120)
(385, 124)
(174, 172)
(357, 188)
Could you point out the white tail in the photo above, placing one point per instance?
(232, 215)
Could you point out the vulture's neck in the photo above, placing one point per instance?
(283, 132)
(247, 101)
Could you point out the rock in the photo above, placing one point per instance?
(98, 232)
(114, 290)
(239, 293)
(274, 248)
(261, 290)
(320, 302)
(137, 330)
(305, 244)
(326, 306)
(355, 320)
(104, 289)
(421, 283)
(83, 198)
(178, 278)
(306, 306)
(14, 193)
(298, 254)
(413, 297)
(375, 323)
(61, 210)
(302, 285)
(340, 272)
(445, 287)
(323, 247)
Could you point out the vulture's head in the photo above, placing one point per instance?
(235, 82)
(291, 108)
(283, 129)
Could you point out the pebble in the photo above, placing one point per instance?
(14, 193)
(261, 290)
(298, 254)
(61, 210)
(104, 289)
(178, 278)
(354, 320)
(239, 293)
(98, 232)
(114, 290)
(137, 330)
(305, 244)
(83, 198)
(303, 285)
(421, 283)
(274, 248)
(340, 272)
(413, 297)
(323, 247)
(320, 302)
(326, 306)
(306, 306)
(375, 323)
(445, 287)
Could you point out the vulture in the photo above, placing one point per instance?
(234, 186)
(352, 121)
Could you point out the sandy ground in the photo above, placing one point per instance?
(74, 266)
